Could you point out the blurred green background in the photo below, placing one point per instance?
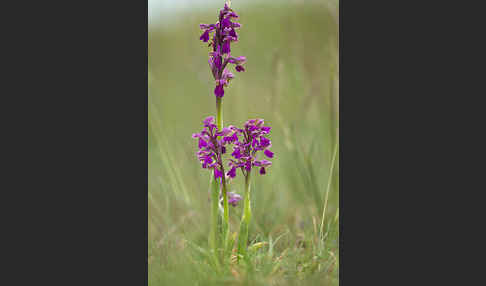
(291, 80)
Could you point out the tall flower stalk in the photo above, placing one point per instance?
(245, 158)
(223, 34)
(211, 150)
(225, 226)
(215, 138)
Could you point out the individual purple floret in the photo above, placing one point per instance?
(245, 151)
(233, 198)
(223, 34)
(211, 148)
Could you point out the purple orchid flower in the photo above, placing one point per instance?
(223, 34)
(245, 151)
(233, 198)
(211, 148)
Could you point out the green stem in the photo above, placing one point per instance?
(245, 220)
(219, 113)
(213, 236)
(226, 233)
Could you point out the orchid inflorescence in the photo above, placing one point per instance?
(211, 149)
(224, 33)
(245, 151)
(246, 143)
(214, 140)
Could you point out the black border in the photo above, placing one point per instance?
(83, 142)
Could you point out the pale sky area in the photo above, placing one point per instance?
(161, 11)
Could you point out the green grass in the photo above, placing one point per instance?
(291, 81)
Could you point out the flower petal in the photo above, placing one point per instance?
(217, 173)
(262, 171)
(219, 90)
(239, 68)
(208, 121)
(205, 36)
(232, 172)
(202, 143)
(268, 153)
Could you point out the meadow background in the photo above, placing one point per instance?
(291, 80)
